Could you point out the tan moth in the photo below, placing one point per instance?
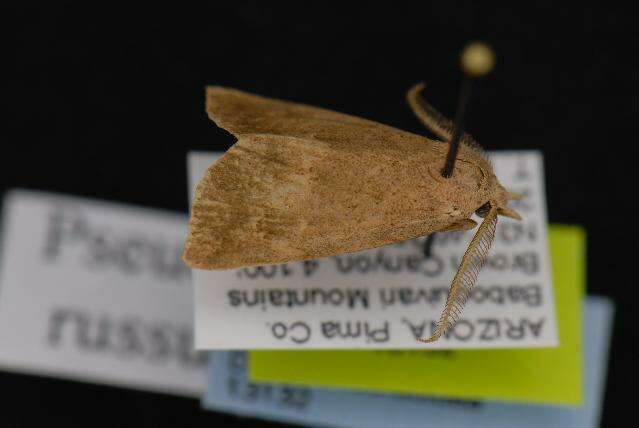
(303, 182)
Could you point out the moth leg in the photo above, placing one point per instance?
(464, 280)
(433, 120)
(465, 224)
(427, 248)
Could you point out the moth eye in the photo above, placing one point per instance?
(483, 210)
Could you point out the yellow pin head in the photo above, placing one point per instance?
(477, 59)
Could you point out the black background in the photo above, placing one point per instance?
(105, 101)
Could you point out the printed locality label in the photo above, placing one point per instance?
(390, 296)
(97, 292)
(230, 390)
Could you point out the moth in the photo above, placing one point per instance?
(303, 182)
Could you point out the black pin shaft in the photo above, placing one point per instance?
(460, 115)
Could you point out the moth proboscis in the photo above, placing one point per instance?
(303, 182)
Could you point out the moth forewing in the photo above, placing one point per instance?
(303, 183)
(467, 273)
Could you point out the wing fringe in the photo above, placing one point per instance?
(466, 276)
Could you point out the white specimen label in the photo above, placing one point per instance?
(98, 292)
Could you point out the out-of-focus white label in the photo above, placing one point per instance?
(97, 292)
(390, 296)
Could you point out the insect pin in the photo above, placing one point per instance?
(303, 182)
